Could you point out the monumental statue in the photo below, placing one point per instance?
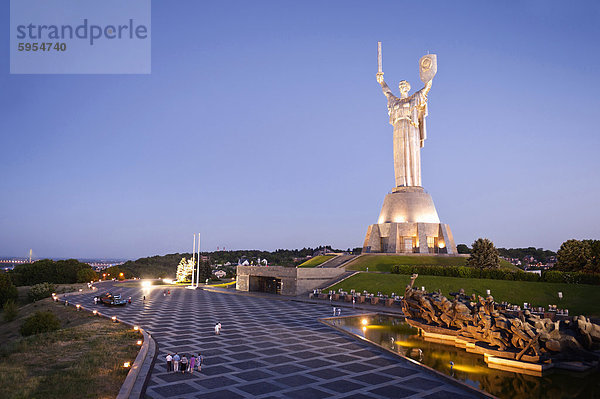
(408, 222)
(407, 115)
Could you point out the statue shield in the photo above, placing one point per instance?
(427, 67)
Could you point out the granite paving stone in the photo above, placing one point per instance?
(268, 347)
(392, 391)
(260, 388)
(421, 383)
(296, 380)
(342, 386)
(221, 394)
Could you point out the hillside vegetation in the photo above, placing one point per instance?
(579, 299)
(316, 261)
(384, 263)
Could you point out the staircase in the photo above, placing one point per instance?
(338, 261)
(336, 280)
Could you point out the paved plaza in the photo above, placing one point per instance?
(268, 348)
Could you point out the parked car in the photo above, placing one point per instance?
(110, 299)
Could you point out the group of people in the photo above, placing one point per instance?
(182, 363)
(177, 363)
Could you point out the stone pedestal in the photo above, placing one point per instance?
(409, 224)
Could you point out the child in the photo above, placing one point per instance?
(199, 361)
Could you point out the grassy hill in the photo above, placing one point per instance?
(384, 263)
(316, 261)
(82, 359)
(578, 298)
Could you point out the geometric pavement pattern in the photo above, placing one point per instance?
(268, 348)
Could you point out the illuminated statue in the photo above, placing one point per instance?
(407, 115)
(408, 221)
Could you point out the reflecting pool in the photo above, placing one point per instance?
(394, 334)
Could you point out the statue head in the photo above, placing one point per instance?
(404, 87)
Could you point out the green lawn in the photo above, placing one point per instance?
(384, 263)
(316, 261)
(578, 298)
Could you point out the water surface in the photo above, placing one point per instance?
(395, 335)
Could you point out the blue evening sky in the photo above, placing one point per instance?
(262, 126)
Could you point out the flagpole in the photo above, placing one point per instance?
(198, 272)
(193, 261)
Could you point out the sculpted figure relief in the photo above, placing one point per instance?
(407, 115)
(519, 335)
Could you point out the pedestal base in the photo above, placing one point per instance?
(410, 238)
(409, 223)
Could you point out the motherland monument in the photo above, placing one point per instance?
(408, 222)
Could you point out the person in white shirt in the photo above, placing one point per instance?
(169, 362)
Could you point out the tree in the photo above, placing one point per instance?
(572, 256)
(205, 270)
(463, 249)
(484, 255)
(593, 263)
(47, 270)
(85, 275)
(8, 291)
(185, 270)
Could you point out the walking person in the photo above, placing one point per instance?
(176, 359)
(169, 362)
(218, 328)
(192, 364)
(199, 361)
(183, 363)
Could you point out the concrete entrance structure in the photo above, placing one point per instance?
(283, 280)
(409, 222)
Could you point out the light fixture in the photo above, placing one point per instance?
(136, 328)
(114, 319)
(95, 312)
(364, 322)
(77, 306)
(139, 342)
(126, 364)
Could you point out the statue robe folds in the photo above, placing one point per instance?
(407, 115)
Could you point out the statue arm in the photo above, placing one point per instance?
(387, 91)
(425, 90)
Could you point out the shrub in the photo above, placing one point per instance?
(551, 276)
(40, 291)
(8, 291)
(464, 272)
(11, 310)
(40, 322)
